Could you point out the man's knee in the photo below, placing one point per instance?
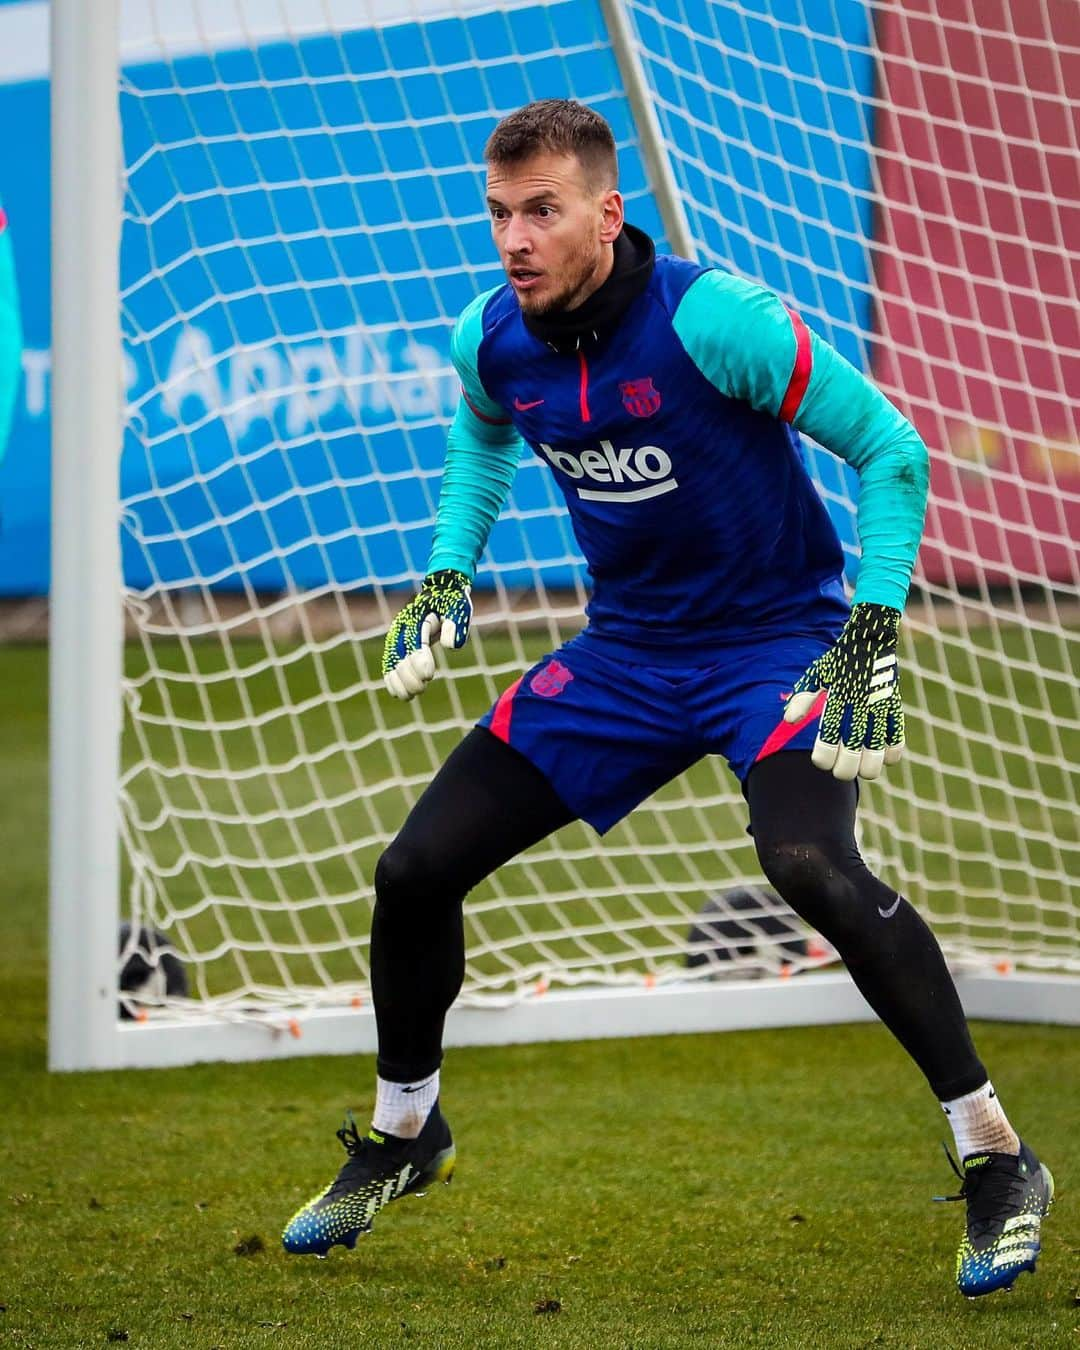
(817, 880)
(406, 878)
(796, 869)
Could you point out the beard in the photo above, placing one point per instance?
(575, 274)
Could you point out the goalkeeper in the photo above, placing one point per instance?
(667, 399)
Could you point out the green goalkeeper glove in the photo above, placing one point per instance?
(440, 612)
(862, 723)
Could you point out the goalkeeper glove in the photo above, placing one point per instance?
(862, 723)
(440, 612)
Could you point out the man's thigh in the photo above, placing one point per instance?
(605, 733)
(737, 706)
(486, 804)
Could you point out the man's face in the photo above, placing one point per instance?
(553, 232)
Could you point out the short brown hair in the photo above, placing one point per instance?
(558, 126)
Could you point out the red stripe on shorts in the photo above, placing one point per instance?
(504, 710)
(783, 731)
(800, 373)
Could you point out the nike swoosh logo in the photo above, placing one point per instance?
(418, 1087)
(888, 913)
(524, 407)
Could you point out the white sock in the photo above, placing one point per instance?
(979, 1125)
(402, 1108)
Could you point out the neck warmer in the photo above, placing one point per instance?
(566, 329)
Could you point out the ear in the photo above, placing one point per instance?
(612, 220)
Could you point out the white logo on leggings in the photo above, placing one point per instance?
(888, 913)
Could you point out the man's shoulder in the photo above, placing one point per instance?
(488, 309)
(712, 286)
(672, 277)
(476, 322)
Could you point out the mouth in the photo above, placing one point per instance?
(523, 278)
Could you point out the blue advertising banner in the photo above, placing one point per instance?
(303, 221)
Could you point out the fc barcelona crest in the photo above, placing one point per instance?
(551, 681)
(640, 397)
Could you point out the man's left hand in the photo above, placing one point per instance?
(862, 723)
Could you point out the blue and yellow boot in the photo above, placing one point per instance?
(1007, 1197)
(380, 1168)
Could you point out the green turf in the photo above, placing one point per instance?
(767, 1188)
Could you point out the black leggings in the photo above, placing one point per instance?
(488, 803)
(803, 822)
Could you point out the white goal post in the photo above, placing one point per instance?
(266, 215)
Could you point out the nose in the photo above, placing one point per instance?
(516, 239)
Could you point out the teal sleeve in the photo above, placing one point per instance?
(749, 346)
(10, 334)
(482, 454)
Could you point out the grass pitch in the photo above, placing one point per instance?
(762, 1188)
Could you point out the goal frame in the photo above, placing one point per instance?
(86, 645)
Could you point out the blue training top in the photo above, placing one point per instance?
(673, 439)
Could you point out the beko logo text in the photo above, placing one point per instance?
(646, 464)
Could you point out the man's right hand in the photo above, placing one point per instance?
(440, 612)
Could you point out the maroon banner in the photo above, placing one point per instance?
(977, 261)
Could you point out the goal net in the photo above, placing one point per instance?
(302, 221)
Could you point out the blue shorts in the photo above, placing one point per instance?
(607, 730)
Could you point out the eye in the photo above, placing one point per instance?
(544, 212)
(498, 213)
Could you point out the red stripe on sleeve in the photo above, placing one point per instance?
(800, 374)
(504, 710)
(491, 421)
(3, 220)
